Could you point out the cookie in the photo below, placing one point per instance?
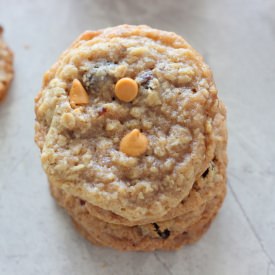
(202, 189)
(6, 66)
(169, 233)
(191, 235)
(146, 237)
(128, 119)
(205, 184)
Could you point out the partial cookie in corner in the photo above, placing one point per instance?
(6, 66)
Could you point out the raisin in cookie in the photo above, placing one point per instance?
(6, 66)
(135, 155)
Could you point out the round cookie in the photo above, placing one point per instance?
(176, 109)
(6, 66)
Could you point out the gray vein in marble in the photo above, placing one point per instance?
(20, 160)
(165, 266)
(249, 223)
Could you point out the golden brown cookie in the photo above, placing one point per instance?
(166, 233)
(208, 184)
(189, 236)
(6, 66)
(176, 111)
(146, 237)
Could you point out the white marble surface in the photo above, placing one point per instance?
(237, 38)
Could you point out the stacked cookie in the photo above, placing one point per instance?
(133, 138)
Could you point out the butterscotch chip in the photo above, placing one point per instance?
(6, 66)
(126, 89)
(78, 95)
(134, 143)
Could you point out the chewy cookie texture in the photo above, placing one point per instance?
(133, 138)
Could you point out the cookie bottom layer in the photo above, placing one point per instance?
(134, 238)
(189, 236)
